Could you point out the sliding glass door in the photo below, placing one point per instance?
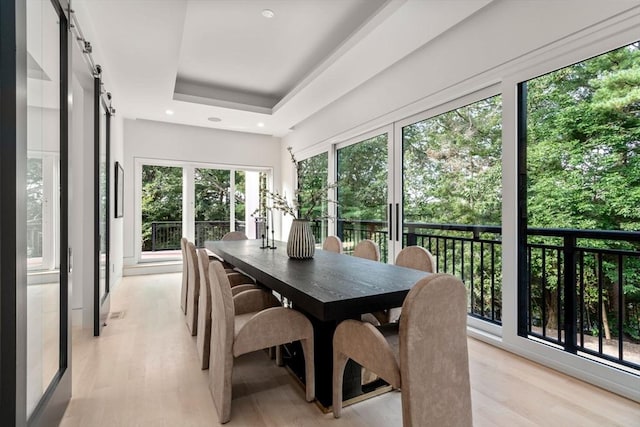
(212, 204)
(452, 197)
(363, 192)
(47, 316)
(161, 211)
(196, 201)
(102, 123)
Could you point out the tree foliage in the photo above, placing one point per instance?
(583, 169)
(452, 166)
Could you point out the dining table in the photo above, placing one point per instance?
(328, 288)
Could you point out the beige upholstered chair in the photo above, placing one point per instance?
(185, 275)
(240, 325)
(235, 235)
(431, 365)
(230, 236)
(193, 288)
(416, 257)
(333, 244)
(367, 249)
(239, 282)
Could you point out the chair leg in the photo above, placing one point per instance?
(309, 368)
(220, 377)
(339, 363)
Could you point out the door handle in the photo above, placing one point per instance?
(390, 220)
(397, 222)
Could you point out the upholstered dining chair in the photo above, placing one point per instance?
(239, 282)
(185, 275)
(415, 257)
(193, 288)
(332, 244)
(227, 237)
(426, 357)
(234, 235)
(367, 249)
(239, 325)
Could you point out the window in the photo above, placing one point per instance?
(452, 197)
(195, 201)
(312, 176)
(579, 244)
(362, 193)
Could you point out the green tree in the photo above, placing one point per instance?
(583, 169)
(161, 201)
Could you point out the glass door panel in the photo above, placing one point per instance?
(161, 207)
(363, 174)
(452, 196)
(44, 279)
(212, 204)
(312, 179)
(239, 201)
(102, 298)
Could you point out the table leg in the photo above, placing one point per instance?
(323, 345)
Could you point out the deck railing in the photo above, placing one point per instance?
(166, 235)
(590, 304)
(583, 292)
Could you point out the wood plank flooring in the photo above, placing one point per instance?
(144, 371)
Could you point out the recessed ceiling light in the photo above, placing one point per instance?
(268, 13)
(260, 125)
(169, 112)
(214, 119)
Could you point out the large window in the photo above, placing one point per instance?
(212, 204)
(579, 245)
(200, 203)
(362, 193)
(161, 208)
(312, 178)
(452, 197)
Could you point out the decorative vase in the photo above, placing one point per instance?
(301, 243)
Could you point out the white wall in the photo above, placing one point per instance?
(81, 220)
(503, 44)
(117, 224)
(144, 139)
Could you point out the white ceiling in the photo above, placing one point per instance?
(223, 59)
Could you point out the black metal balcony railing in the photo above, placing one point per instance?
(583, 292)
(473, 253)
(166, 235)
(591, 304)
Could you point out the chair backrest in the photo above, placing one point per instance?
(416, 257)
(194, 270)
(235, 235)
(185, 274)
(333, 244)
(367, 249)
(222, 333)
(434, 363)
(203, 270)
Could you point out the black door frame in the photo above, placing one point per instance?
(101, 303)
(13, 260)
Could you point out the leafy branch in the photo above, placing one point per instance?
(309, 198)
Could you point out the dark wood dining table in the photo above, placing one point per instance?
(328, 288)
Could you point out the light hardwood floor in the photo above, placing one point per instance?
(144, 371)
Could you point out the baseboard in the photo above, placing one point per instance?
(152, 268)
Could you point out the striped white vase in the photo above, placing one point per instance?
(301, 243)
